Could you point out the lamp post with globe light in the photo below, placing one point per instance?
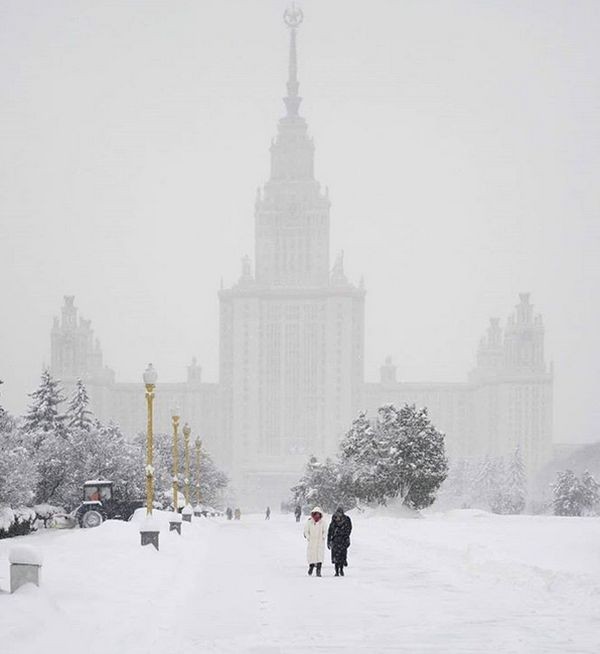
(186, 453)
(175, 421)
(150, 376)
(198, 444)
(187, 510)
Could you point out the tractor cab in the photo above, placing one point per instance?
(100, 504)
(99, 490)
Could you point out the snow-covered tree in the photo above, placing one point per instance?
(515, 484)
(18, 471)
(362, 455)
(212, 480)
(567, 494)
(112, 457)
(402, 455)
(78, 415)
(489, 486)
(7, 423)
(323, 484)
(457, 490)
(55, 457)
(44, 416)
(2, 412)
(590, 493)
(45, 436)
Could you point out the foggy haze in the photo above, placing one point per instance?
(459, 141)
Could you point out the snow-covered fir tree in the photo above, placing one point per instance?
(402, 455)
(18, 470)
(489, 485)
(590, 494)
(78, 415)
(567, 494)
(457, 490)
(324, 484)
(498, 500)
(515, 484)
(46, 438)
(2, 411)
(44, 415)
(362, 456)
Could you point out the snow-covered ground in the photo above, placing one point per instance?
(459, 582)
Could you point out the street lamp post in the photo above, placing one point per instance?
(148, 530)
(150, 378)
(175, 420)
(198, 444)
(187, 512)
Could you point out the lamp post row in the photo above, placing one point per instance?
(150, 377)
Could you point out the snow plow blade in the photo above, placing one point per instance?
(63, 521)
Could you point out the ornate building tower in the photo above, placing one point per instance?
(292, 335)
(76, 354)
(512, 390)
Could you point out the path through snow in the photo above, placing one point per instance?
(454, 584)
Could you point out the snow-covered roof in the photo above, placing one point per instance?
(95, 482)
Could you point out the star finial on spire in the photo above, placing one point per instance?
(293, 16)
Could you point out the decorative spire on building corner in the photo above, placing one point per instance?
(338, 276)
(293, 17)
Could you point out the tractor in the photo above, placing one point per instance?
(99, 504)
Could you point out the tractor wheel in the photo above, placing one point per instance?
(91, 518)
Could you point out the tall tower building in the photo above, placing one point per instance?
(292, 333)
(76, 354)
(292, 349)
(512, 390)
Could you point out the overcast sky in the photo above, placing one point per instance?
(459, 140)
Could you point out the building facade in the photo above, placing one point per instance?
(291, 370)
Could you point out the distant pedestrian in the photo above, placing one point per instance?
(314, 532)
(229, 513)
(237, 514)
(298, 512)
(268, 513)
(338, 540)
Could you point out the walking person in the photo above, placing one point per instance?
(298, 512)
(268, 513)
(338, 540)
(314, 532)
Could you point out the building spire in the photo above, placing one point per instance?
(292, 17)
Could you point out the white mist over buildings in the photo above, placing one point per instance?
(460, 144)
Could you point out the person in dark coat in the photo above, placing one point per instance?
(338, 540)
(298, 512)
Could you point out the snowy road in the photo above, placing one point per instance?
(454, 584)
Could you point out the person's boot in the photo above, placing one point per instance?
(319, 569)
(342, 569)
(337, 570)
(311, 567)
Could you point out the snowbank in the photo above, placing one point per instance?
(158, 522)
(394, 509)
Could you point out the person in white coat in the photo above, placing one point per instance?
(315, 531)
